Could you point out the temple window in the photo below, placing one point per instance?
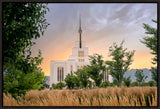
(80, 53)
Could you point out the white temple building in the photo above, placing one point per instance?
(79, 57)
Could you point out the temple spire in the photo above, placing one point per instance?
(80, 32)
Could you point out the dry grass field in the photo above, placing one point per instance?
(112, 96)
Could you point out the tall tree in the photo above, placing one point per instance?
(140, 77)
(150, 41)
(22, 22)
(96, 68)
(121, 59)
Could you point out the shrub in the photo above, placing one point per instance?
(135, 84)
(71, 81)
(152, 83)
(60, 85)
(127, 81)
(105, 84)
(145, 84)
(54, 86)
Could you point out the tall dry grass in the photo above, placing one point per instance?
(133, 96)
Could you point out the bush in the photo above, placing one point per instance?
(60, 85)
(105, 84)
(115, 83)
(71, 81)
(54, 86)
(18, 83)
(152, 83)
(135, 84)
(112, 85)
(144, 84)
(90, 84)
(127, 81)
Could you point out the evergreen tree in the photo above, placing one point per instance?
(150, 41)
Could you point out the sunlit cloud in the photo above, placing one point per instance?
(102, 24)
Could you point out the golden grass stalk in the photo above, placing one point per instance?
(117, 96)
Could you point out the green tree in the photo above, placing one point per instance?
(140, 77)
(83, 76)
(22, 22)
(150, 41)
(127, 81)
(96, 68)
(121, 59)
(71, 81)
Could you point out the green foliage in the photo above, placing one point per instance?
(152, 83)
(105, 84)
(60, 85)
(151, 40)
(144, 84)
(96, 68)
(54, 86)
(17, 83)
(115, 82)
(140, 77)
(127, 81)
(22, 22)
(83, 77)
(135, 84)
(71, 81)
(121, 59)
(154, 73)
(89, 84)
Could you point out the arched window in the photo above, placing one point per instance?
(60, 74)
(80, 53)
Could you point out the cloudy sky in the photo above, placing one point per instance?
(102, 24)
